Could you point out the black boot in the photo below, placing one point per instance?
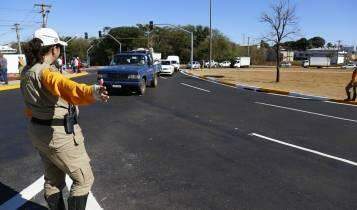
(55, 201)
(77, 202)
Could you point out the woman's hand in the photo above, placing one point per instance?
(104, 97)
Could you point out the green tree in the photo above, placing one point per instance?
(317, 42)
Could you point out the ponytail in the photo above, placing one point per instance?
(34, 52)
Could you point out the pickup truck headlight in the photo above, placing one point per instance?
(133, 76)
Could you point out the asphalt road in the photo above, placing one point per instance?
(193, 144)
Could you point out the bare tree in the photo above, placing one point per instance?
(282, 21)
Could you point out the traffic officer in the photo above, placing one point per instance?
(51, 103)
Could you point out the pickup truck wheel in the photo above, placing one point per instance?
(154, 81)
(142, 87)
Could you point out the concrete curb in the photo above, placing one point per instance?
(279, 92)
(17, 86)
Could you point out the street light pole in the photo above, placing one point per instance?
(108, 34)
(187, 31)
(64, 51)
(210, 33)
(88, 59)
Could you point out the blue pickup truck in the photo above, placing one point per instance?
(130, 71)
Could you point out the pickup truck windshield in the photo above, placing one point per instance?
(129, 59)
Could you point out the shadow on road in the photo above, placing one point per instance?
(6, 193)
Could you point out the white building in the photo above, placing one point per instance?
(287, 55)
(337, 56)
(5, 49)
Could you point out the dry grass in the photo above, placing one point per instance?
(325, 82)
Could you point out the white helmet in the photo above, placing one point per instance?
(48, 37)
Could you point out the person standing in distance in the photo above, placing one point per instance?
(352, 85)
(51, 103)
(3, 68)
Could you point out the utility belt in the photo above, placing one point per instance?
(68, 121)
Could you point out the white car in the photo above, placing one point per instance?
(167, 67)
(194, 65)
(349, 66)
(214, 64)
(225, 64)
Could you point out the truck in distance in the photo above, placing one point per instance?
(241, 62)
(318, 62)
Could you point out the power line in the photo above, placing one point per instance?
(14, 9)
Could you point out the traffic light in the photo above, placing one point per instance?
(151, 25)
(100, 34)
(85, 35)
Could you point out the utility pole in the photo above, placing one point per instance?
(248, 46)
(339, 44)
(44, 11)
(210, 33)
(17, 30)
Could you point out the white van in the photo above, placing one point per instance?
(175, 61)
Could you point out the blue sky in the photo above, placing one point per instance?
(332, 19)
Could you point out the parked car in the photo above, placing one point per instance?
(167, 67)
(130, 70)
(175, 61)
(349, 66)
(214, 64)
(225, 64)
(285, 64)
(194, 65)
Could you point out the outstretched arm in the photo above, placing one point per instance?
(72, 92)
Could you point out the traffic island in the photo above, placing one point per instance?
(321, 85)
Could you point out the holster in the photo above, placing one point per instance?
(70, 119)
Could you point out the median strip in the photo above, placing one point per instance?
(270, 91)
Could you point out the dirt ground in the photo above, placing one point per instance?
(320, 82)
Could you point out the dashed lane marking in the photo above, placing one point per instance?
(195, 87)
(307, 112)
(305, 149)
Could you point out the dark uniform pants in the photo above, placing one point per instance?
(62, 154)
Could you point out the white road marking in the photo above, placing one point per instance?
(29, 192)
(92, 203)
(307, 112)
(218, 83)
(195, 87)
(332, 102)
(162, 77)
(305, 149)
(25, 195)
